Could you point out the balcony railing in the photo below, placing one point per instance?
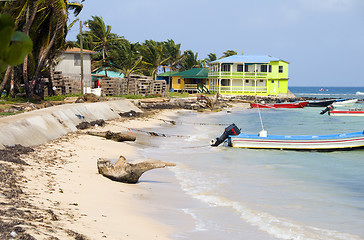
(239, 89)
(238, 75)
(190, 86)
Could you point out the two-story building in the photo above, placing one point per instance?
(249, 75)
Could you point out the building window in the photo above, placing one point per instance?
(246, 81)
(225, 82)
(77, 60)
(263, 68)
(225, 67)
(261, 81)
(179, 81)
(240, 68)
(272, 81)
(280, 69)
(270, 68)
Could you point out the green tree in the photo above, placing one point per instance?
(125, 57)
(173, 52)
(14, 46)
(210, 58)
(101, 38)
(190, 61)
(45, 21)
(229, 53)
(153, 57)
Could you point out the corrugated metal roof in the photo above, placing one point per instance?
(193, 73)
(166, 74)
(247, 59)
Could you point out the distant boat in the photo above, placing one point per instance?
(280, 105)
(320, 103)
(323, 90)
(359, 93)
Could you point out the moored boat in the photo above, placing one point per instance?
(333, 142)
(301, 104)
(351, 112)
(345, 103)
(320, 103)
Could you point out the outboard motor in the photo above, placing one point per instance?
(328, 108)
(230, 130)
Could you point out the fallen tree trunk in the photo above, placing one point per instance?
(116, 136)
(125, 172)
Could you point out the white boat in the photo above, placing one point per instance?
(351, 112)
(333, 142)
(299, 142)
(345, 103)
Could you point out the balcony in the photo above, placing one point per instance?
(244, 75)
(239, 89)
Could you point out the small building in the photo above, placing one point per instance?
(70, 65)
(191, 81)
(249, 75)
(166, 76)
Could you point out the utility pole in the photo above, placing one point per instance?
(81, 57)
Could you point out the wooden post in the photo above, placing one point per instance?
(81, 57)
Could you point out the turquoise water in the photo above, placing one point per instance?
(265, 194)
(232, 193)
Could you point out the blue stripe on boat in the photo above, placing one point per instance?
(300, 137)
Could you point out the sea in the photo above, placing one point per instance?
(232, 193)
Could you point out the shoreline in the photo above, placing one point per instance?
(61, 183)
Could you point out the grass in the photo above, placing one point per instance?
(61, 97)
(10, 100)
(9, 113)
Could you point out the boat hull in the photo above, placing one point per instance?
(347, 113)
(320, 103)
(346, 103)
(279, 105)
(324, 142)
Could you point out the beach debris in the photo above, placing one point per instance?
(125, 172)
(208, 102)
(116, 136)
(131, 113)
(85, 124)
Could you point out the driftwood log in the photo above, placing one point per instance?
(125, 172)
(116, 136)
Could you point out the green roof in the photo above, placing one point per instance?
(193, 73)
(166, 74)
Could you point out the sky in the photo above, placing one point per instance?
(323, 40)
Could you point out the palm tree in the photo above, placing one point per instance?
(174, 53)
(190, 61)
(125, 57)
(45, 21)
(210, 58)
(153, 57)
(229, 53)
(101, 37)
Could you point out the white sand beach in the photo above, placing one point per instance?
(63, 177)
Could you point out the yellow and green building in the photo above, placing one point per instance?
(261, 75)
